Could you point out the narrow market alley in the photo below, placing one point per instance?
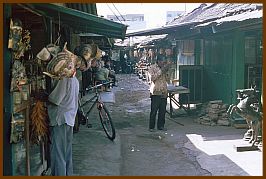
(185, 149)
(83, 88)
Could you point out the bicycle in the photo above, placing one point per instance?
(104, 114)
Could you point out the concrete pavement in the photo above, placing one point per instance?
(189, 150)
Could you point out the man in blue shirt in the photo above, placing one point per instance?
(62, 111)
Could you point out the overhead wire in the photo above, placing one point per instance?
(113, 12)
(119, 12)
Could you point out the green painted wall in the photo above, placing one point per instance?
(223, 67)
(238, 66)
(197, 52)
(224, 63)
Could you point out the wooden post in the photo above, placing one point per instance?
(27, 133)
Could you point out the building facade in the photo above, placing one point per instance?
(134, 21)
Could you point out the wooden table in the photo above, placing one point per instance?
(172, 90)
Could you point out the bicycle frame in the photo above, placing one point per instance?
(104, 115)
(96, 97)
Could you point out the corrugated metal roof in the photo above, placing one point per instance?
(150, 40)
(141, 41)
(205, 15)
(215, 11)
(257, 14)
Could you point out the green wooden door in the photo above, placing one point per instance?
(191, 76)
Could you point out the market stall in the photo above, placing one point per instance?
(34, 35)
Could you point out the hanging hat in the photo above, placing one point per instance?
(62, 65)
(86, 51)
(53, 49)
(96, 52)
(83, 53)
(48, 52)
(44, 54)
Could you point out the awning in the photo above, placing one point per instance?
(82, 22)
(84, 7)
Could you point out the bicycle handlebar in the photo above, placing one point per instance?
(95, 87)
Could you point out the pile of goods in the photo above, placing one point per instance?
(213, 113)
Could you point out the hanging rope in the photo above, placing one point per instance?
(114, 13)
(57, 40)
(59, 29)
(119, 12)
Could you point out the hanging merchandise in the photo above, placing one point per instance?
(19, 39)
(84, 51)
(19, 77)
(63, 65)
(25, 92)
(96, 52)
(135, 54)
(50, 51)
(88, 52)
(17, 128)
(15, 34)
(151, 54)
(39, 123)
(17, 97)
(23, 45)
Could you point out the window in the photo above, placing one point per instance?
(186, 52)
(253, 60)
(250, 50)
(188, 47)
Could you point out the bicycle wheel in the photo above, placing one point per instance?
(106, 121)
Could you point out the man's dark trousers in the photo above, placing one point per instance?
(158, 103)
